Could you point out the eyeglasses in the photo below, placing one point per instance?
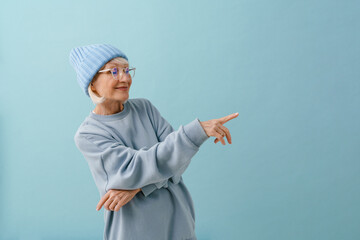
(118, 73)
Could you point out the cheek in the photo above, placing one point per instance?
(111, 85)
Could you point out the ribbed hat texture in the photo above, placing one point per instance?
(87, 60)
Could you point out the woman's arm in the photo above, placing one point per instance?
(162, 129)
(115, 166)
(148, 189)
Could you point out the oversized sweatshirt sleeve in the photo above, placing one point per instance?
(163, 129)
(116, 166)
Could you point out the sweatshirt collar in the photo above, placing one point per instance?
(112, 117)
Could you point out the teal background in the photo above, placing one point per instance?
(290, 68)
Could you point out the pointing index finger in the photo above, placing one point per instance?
(228, 117)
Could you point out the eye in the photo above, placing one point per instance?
(114, 70)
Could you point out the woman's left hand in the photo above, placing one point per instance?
(114, 199)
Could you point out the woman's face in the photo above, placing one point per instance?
(106, 86)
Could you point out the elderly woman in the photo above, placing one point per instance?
(135, 156)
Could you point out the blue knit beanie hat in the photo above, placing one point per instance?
(87, 61)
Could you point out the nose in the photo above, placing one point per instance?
(124, 77)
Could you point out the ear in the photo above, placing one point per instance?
(92, 87)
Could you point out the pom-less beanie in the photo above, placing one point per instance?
(87, 61)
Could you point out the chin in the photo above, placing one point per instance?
(121, 98)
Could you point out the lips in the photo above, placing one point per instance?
(122, 88)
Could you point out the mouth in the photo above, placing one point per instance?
(122, 88)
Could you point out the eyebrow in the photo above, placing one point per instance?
(113, 64)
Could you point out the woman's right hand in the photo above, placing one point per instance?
(114, 199)
(216, 129)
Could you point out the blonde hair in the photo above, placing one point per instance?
(94, 98)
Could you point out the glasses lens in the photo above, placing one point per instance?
(115, 72)
(131, 71)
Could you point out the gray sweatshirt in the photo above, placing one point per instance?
(138, 148)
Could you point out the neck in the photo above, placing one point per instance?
(109, 109)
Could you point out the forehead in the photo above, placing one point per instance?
(113, 64)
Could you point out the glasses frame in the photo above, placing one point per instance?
(121, 72)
